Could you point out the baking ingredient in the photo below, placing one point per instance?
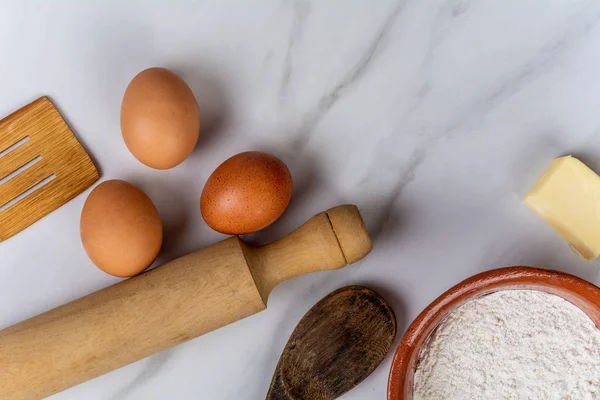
(120, 228)
(512, 344)
(246, 193)
(160, 119)
(567, 197)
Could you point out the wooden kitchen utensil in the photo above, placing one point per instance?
(42, 166)
(336, 345)
(178, 301)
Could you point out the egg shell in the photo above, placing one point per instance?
(120, 227)
(246, 193)
(160, 118)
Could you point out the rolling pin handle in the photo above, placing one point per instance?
(329, 240)
(351, 233)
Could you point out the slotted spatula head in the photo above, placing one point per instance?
(42, 166)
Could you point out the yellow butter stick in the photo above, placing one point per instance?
(567, 197)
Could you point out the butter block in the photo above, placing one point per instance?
(567, 197)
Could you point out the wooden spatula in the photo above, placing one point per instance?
(336, 345)
(42, 166)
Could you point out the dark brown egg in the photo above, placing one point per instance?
(246, 193)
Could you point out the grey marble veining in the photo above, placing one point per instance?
(433, 116)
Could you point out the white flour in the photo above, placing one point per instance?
(512, 344)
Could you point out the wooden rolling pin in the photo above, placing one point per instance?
(168, 305)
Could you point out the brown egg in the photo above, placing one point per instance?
(246, 193)
(160, 119)
(120, 228)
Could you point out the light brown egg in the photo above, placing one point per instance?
(246, 193)
(121, 230)
(160, 119)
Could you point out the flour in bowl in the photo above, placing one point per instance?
(512, 344)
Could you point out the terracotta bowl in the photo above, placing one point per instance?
(575, 290)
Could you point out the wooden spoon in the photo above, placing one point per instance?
(336, 345)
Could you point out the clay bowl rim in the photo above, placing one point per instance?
(577, 291)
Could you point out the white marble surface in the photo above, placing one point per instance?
(432, 116)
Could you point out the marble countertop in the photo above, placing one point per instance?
(434, 117)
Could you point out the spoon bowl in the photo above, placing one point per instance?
(336, 345)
